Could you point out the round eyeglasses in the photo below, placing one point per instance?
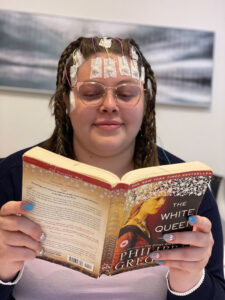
(93, 93)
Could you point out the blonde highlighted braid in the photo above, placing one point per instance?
(61, 141)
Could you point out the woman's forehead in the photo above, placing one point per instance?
(100, 57)
(105, 66)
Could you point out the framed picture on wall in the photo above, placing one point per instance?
(31, 44)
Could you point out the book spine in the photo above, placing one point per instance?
(114, 224)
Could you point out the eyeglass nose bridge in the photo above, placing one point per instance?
(111, 89)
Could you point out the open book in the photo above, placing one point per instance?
(96, 222)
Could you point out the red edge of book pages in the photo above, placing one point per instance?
(97, 182)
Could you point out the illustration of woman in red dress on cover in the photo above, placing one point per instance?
(135, 235)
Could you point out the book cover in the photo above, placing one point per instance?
(95, 222)
(151, 210)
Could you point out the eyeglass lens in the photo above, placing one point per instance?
(94, 92)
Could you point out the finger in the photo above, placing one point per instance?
(184, 266)
(23, 224)
(194, 254)
(20, 240)
(194, 238)
(200, 223)
(15, 208)
(17, 254)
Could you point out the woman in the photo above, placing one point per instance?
(104, 108)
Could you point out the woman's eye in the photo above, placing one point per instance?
(127, 93)
(124, 96)
(92, 95)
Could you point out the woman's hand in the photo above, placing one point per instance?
(19, 238)
(186, 264)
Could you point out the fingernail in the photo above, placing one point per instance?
(168, 237)
(41, 253)
(28, 206)
(192, 219)
(154, 255)
(42, 237)
(159, 262)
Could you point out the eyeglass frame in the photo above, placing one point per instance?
(105, 92)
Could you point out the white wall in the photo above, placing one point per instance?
(193, 134)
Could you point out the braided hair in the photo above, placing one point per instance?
(61, 141)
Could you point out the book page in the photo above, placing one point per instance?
(40, 156)
(73, 215)
(162, 172)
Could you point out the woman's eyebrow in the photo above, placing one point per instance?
(102, 81)
(128, 81)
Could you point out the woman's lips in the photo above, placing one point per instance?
(108, 125)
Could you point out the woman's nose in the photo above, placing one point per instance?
(109, 102)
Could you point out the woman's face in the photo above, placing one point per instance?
(106, 129)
